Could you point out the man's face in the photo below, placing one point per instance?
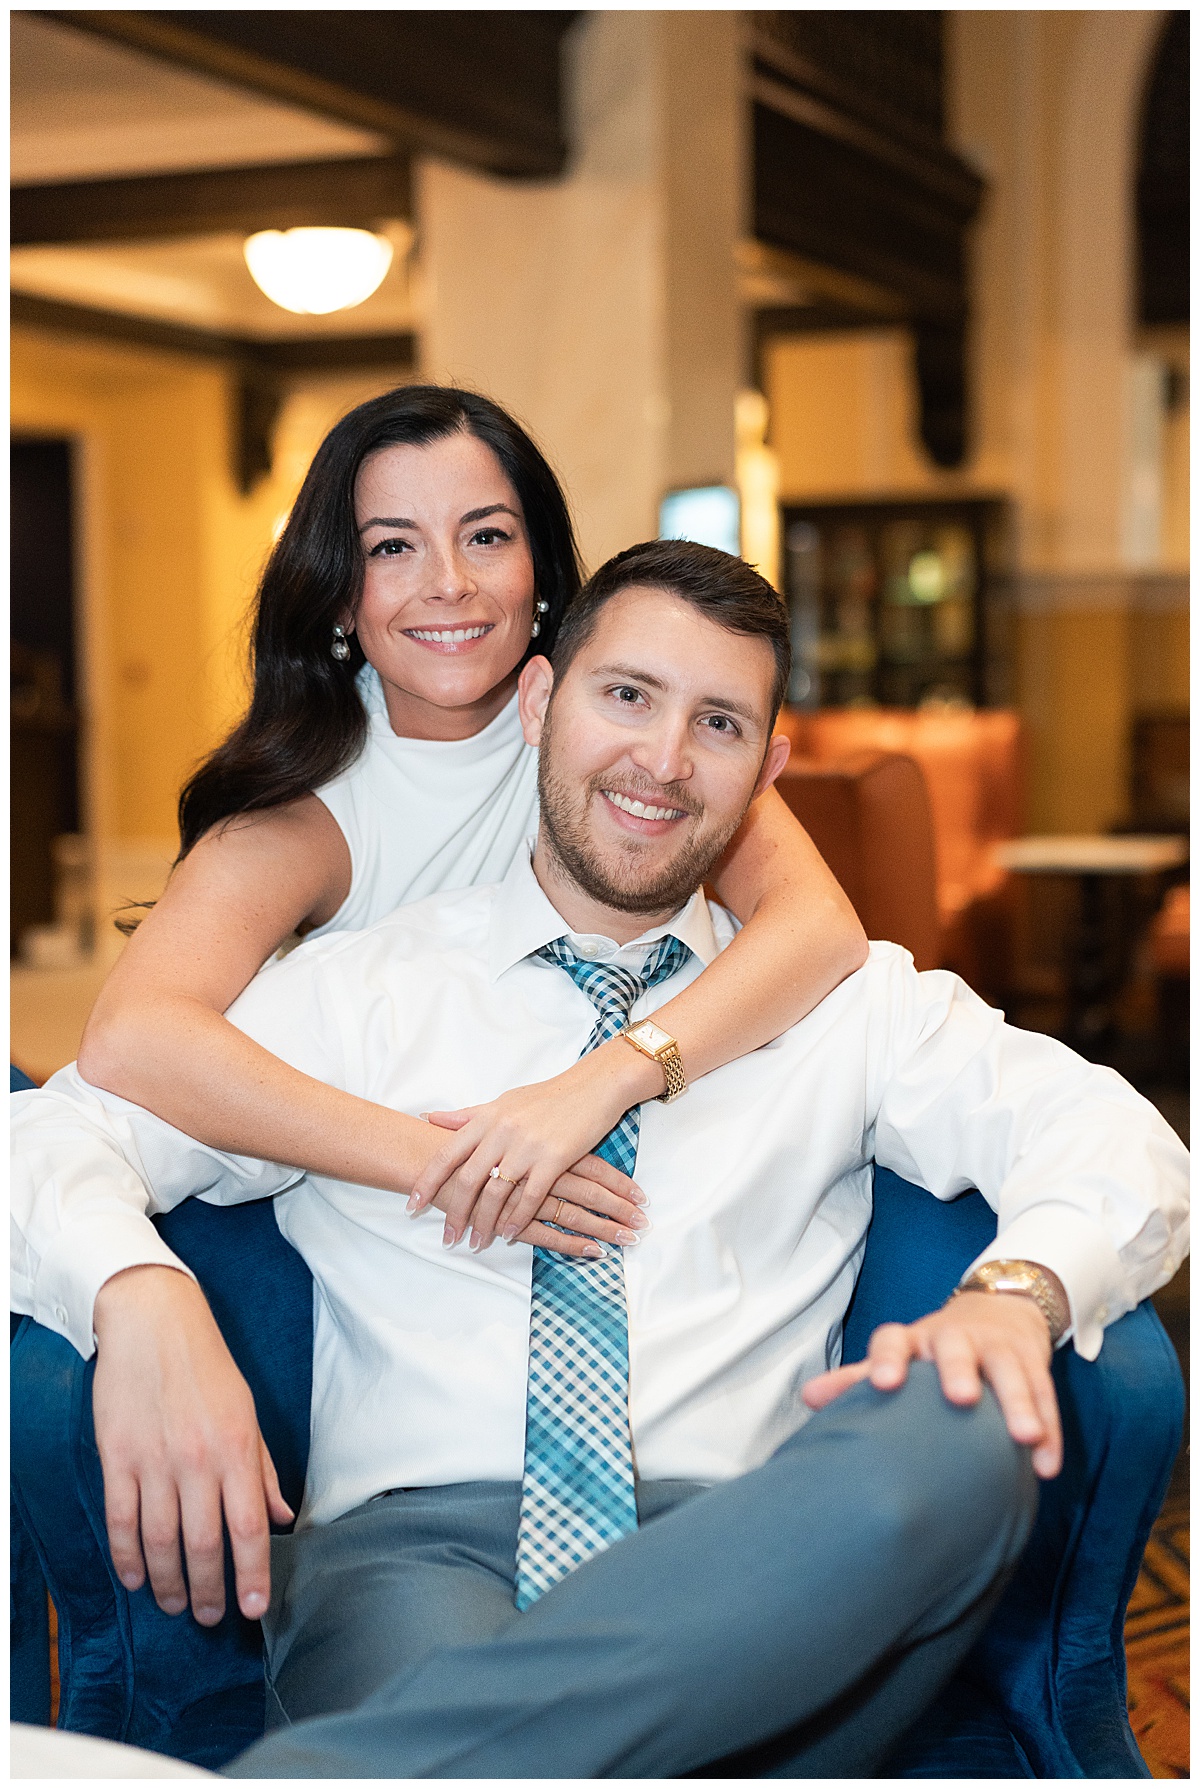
(652, 746)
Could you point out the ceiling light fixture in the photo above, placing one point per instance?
(314, 271)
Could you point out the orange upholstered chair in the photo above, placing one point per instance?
(868, 815)
(973, 769)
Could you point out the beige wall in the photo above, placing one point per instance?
(1046, 105)
(169, 555)
(602, 308)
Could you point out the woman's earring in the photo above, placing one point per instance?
(340, 649)
(540, 609)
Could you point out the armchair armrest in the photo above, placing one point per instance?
(1050, 1666)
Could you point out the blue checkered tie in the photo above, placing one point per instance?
(577, 1496)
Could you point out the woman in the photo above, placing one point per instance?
(428, 555)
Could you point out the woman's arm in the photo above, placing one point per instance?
(800, 938)
(157, 1036)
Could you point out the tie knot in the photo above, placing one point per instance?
(612, 989)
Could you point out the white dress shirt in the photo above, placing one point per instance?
(758, 1179)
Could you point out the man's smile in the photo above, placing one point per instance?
(647, 818)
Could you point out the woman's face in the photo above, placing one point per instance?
(447, 600)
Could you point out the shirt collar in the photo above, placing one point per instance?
(523, 920)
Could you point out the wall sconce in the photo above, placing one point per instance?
(315, 271)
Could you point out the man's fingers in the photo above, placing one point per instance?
(245, 1500)
(1008, 1376)
(122, 1506)
(957, 1363)
(204, 1548)
(280, 1511)
(827, 1386)
(1047, 1456)
(160, 1544)
(890, 1349)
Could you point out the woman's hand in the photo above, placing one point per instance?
(540, 1138)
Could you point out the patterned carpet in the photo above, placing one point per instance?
(1157, 1642)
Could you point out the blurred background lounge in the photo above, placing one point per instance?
(896, 300)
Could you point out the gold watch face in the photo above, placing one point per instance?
(652, 1037)
(1007, 1275)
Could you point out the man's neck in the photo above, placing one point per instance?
(581, 912)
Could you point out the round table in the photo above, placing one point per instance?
(1099, 949)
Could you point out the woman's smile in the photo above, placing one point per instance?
(448, 639)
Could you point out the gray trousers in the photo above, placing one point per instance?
(792, 1622)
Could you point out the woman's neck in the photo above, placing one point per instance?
(413, 717)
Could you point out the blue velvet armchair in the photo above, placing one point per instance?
(1042, 1695)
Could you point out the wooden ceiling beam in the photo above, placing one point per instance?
(478, 87)
(357, 192)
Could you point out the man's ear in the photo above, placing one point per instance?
(778, 753)
(534, 687)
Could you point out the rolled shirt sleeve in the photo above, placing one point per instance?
(90, 1170)
(1085, 1176)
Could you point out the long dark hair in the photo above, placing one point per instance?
(306, 721)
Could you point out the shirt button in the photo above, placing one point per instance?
(60, 1311)
(588, 950)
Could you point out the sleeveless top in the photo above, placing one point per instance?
(423, 815)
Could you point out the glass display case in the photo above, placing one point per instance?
(896, 603)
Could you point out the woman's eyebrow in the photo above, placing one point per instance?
(472, 515)
(492, 509)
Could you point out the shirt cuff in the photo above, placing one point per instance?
(1074, 1246)
(78, 1263)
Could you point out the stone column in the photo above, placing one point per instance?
(602, 307)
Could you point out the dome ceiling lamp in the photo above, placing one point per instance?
(313, 271)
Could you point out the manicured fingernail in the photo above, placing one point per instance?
(593, 1252)
(131, 1581)
(639, 1221)
(628, 1237)
(509, 1233)
(424, 1116)
(255, 1604)
(449, 1236)
(208, 1617)
(636, 1196)
(414, 1204)
(173, 1605)
(476, 1242)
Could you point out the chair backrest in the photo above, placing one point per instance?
(973, 765)
(868, 814)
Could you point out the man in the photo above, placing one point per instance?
(567, 1519)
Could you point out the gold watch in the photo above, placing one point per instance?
(654, 1042)
(1029, 1279)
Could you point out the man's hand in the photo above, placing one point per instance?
(1000, 1337)
(179, 1444)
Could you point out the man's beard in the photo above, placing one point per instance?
(564, 822)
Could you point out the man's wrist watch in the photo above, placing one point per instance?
(1027, 1278)
(656, 1043)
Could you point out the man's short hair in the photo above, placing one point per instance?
(720, 586)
